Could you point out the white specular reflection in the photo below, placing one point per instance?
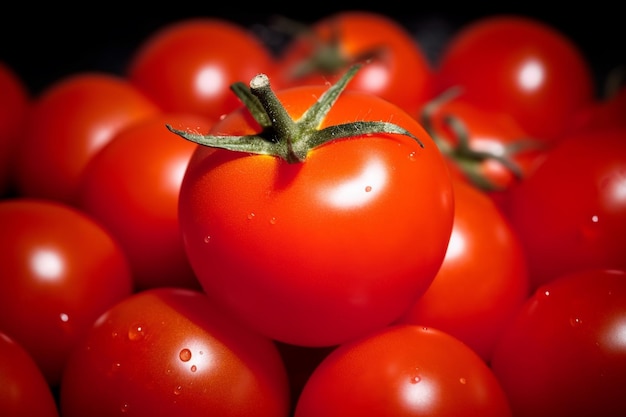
(531, 75)
(47, 264)
(210, 81)
(360, 189)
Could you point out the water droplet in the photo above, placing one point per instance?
(273, 220)
(415, 379)
(412, 156)
(575, 321)
(178, 390)
(194, 368)
(124, 408)
(251, 216)
(185, 355)
(64, 317)
(463, 380)
(591, 228)
(207, 239)
(136, 333)
(368, 188)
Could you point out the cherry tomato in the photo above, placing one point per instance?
(60, 271)
(570, 214)
(403, 370)
(131, 186)
(170, 352)
(70, 122)
(15, 102)
(398, 69)
(25, 392)
(322, 249)
(483, 280)
(188, 65)
(564, 354)
(521, 66)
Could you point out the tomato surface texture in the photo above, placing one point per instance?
(318, 252)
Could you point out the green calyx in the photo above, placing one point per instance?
(284, 137)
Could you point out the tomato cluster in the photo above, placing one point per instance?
(341, 227)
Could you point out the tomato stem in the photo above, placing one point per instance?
(280, 134)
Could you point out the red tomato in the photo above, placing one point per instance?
(60, 271)
(397, 69)
(15, 102)
(131, 186)
(25, 392)
(189, 65)
(70, 122)
(483, 280)
(170, 352)
(403, 370)
(564, 355)
(605, 112)
(521, 66)
(320, 251)
(570, 214)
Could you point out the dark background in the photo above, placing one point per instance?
(44, 45)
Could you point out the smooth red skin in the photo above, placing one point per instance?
(131, 186)
(95, 274)
(402, 75)
(132, 362)
(266, 239)
(69, 123)
(15, 102)
(25, 392)
(564, 355)
(553, 210)
(403, 370)
(189, 65)
(488, 57)
(483, 279)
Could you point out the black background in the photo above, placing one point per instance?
(43, 46)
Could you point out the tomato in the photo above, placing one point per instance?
(570, 214)
(398, 69)
(15, 102)
(170, 352)
(69, 123)
(403, 370)
(604, 112)
(25, 391)
(522, 66)
(60, 270)
(564, 354)
(483, 280)
(131, 187)
(315, 245)
(189, 65)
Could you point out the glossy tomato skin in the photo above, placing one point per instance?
(189, 65)
(60, 271)
(319, 252)
(564, 354)
(522, 66)
(483, 279)
(170, 352)
(69, 123)
(571, 213)
(403, 370)
(399, 71)
(15, 102)
(25, 392)
(131, 186)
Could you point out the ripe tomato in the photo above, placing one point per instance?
(69, 123)
(325, 248)
(15, 102)
(483, 280)
(521, 66)
(564, 354)
(403, 370)
(131, 186)
(60, 271)
(25, 392)
(570, 214)
(188, 65)
(398, 69)
(170, 352)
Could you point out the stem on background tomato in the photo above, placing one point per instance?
(281, 135)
